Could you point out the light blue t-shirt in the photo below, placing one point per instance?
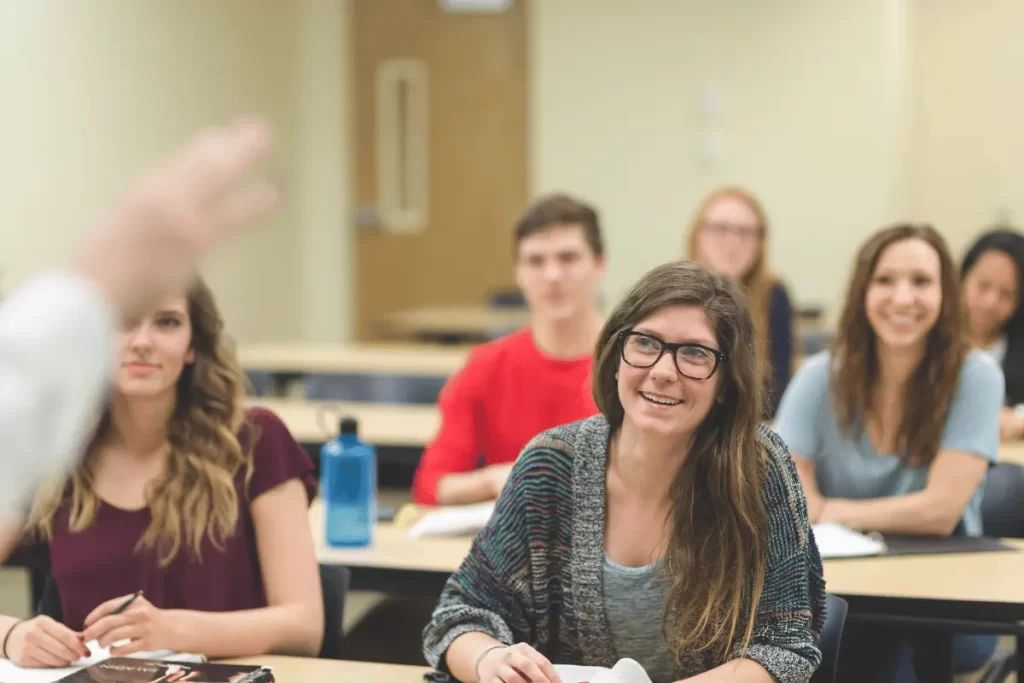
(850, 467)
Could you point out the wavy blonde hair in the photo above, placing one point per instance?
(195, 497)
(717, 552)
(757, 283)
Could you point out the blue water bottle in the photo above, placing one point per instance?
(348, 486)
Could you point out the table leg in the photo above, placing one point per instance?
(1018, 656)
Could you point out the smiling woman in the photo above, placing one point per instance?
(673, 501)
(186, 497)
(993, 279)
(894, 430)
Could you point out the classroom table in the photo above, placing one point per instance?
(382, 424)
(394, 563)
(954, 593)
(462, 323)
(286, 362)
(1012, 452)
(962, 592)
(312, 670)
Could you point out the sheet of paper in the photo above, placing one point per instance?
(835, 540)
(458, 520)
(625, 671)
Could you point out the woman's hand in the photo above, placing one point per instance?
(147, 627)
(518, 663)
(1011, 425)
(43, 642)
(497, 475)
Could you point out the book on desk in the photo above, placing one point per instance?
(836, 541)
(132, 670)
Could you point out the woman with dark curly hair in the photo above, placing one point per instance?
(186, 497)
(992, 273)
(895, 428)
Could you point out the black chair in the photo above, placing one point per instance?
(1002, 514)
(49, 601)
(831, 637)
(334, 582)
(506, 298)
(1000, 668)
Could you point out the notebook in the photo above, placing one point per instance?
(836, 540)
(625, 671)
(457, 520)
(12, 673)
(134, 670)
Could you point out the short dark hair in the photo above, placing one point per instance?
(1011, 243)
(561, 209)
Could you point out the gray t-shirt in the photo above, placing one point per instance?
(850, 467)
(634, 605)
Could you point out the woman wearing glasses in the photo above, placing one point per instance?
(673, 503)
(729, 233)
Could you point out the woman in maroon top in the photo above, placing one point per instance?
(186, 497)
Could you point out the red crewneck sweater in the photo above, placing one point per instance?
(507, 393)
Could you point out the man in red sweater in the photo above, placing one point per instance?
(514, 388)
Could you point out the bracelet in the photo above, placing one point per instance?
(8, 636)
(480, 657)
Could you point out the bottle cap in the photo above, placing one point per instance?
(348, 426)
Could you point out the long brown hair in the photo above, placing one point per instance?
(195, 497)
(758, 282)
(719, 526)
(855, 372)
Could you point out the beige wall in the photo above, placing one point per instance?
(811, 108)
(95, 90)
(967, 137)
(841, 115)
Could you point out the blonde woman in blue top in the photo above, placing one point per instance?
(894, 429)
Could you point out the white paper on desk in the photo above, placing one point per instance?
(458, 520)
(625, 671)
(836, 540)
(12, 673)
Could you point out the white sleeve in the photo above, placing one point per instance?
(56, 355)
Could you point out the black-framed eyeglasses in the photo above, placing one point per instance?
(696, 361)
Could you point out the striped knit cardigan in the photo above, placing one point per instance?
(534, 572)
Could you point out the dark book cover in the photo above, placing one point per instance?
(130, 670)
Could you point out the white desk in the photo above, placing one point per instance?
(468, 322)
(382, 424)
(421, 360)
(311, 670)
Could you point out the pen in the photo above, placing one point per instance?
(126, 604)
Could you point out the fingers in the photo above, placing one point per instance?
(249, 204)
(509, 674)
(105, 608)
(548, 669)
(100, 630)
(39, 657)
(220, 157)
(40, 648)
(63, 641)
(132, 632)
(526, 665)
(130, 648)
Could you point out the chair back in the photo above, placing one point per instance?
(334, 582)
(1002, 507)
(831, 636)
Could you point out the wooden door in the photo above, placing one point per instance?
(474, 92)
